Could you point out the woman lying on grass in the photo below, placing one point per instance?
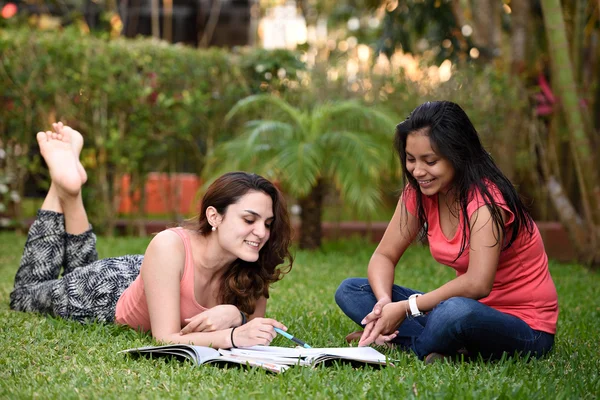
(503, 299)
(195, 284)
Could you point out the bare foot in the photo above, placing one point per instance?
(57, 150)
(76, 143)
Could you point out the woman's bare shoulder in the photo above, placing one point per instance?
(166, 240)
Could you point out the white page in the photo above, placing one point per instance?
(263, 356)
(265, 364)
(355, 353)
(275, 351)
(204, 353)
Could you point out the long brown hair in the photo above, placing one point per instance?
(245, 282)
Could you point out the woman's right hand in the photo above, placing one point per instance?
(259, 331)
(385, 327)
(219, 317)
(375, 314)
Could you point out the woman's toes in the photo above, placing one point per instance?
(41, 137)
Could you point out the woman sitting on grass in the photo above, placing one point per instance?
(503, 299)
(195, 284)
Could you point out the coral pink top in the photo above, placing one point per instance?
(522, 286)
(132, 308)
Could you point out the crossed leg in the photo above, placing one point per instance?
(61, 230)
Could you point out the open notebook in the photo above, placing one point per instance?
(272, 358)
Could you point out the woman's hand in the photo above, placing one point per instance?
(214, 319)
(259, 331)
(383, 329)
(376, 312)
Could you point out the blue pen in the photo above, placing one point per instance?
(292, 338)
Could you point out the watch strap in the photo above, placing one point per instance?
(412, 303)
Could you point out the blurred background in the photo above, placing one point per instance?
(170, 93)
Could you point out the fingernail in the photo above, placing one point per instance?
(362, 322)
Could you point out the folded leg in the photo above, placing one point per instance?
(88, 293)
(44, 251)
(80, 250)
(461, 323)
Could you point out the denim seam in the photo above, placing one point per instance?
(362, 288)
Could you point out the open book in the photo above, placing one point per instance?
(272, 358)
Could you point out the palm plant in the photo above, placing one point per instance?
(342, 143)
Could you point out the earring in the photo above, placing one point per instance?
(214, 228)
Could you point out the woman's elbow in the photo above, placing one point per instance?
(479, 290)
(166, 337)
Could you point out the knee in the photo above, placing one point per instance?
(456, 309)
(346, 290)
(19, 300)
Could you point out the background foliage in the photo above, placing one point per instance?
(146, 106)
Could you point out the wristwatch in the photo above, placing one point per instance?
(412, 303)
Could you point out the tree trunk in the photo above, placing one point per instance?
(461, 20)
(310, 217)
(496, 34)
(105, 193)
(105, 178)
(568, 216)
(168, 20)
(211, 24)
(155, 14)
(586, 169)
(141, 214)
(519, 43)
(519, 21)
(487, 28)
(577, 38)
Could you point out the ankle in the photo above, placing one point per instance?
(69, 202)
(52, 201)
(66, 197)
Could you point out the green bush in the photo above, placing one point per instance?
(140, 104)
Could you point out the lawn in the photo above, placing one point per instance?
(50, 358)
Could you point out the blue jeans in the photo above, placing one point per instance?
(456, 324)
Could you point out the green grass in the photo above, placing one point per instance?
(51, 358)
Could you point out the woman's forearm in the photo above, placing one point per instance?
(216, 339)
(461, 286)
(381, 276)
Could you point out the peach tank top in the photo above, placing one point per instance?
(132, 308)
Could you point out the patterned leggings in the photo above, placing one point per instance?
(89, 288)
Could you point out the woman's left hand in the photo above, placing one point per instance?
(214, 319)
(383, 329)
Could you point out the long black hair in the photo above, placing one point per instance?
(453, 136)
